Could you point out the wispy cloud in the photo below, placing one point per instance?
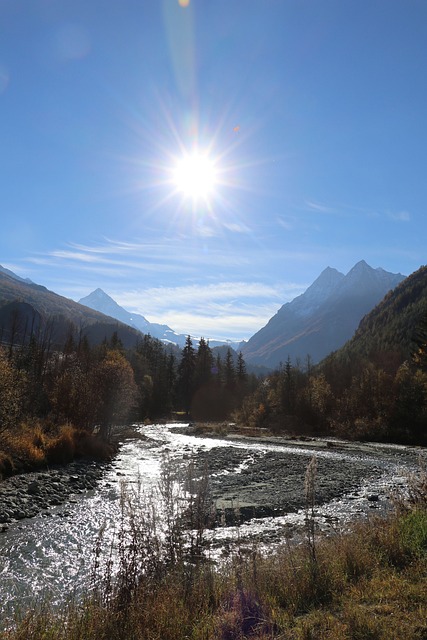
(400, 216)
(320, 207)
(209, 289)
(349, 209)
(232, 310)
(220, 327)
(236, 227)
(285, 223)
(170, 254)
(165, 296)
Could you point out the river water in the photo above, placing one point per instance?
(52, 555)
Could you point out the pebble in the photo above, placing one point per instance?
(28, 494)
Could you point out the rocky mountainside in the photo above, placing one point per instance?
(390, 332)
(26, 307)
(10, 273)
(323, 318)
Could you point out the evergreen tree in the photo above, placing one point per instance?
(229, 372)
(204, 364)
(288, 388)
(186, 375)
(241, 369)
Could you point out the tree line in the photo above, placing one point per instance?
(93, 387)
(347, 395)
(98, 386)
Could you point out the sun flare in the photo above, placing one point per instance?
(195, 176)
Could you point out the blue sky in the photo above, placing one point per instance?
(313, 112)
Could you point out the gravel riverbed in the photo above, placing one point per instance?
(247, 480)
(255, 483)
(51, 519)
(29, 494)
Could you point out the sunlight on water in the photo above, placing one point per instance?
(53, 553)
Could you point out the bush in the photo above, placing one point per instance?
(413, 532)
(6, 465)
(61, 449)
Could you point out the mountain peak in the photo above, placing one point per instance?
(328, 275)
(323, 317)
(361, 267)
(99, 293)
(321, 288)
(101, 301)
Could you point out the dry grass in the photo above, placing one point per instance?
(367, 585)
(34, 446)
(221, 429)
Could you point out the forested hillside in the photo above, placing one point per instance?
(375, 387)
(52, 400)
(391, 329)
(28, 309)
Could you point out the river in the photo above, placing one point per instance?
(52, 554)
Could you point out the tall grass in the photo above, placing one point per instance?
(35, 445)
(370, 584)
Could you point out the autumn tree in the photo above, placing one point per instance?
(71, 394)
(11, 394)
(114, 390)
(409, 418)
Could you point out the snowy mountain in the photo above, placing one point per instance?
(101, 301)
(323, 318)
(27, 307)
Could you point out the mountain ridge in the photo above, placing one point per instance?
(323, 318)
(101, 301)
(315, 323)
(26, 306)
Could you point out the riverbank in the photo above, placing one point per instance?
(245, 482)
(35, 483)
(29, 494)
(32, 447)
(272, 483)
(366, 584)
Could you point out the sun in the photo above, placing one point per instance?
(195, 176)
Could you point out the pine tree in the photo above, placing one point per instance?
(186, 374)
(229, 372)
(241, 369)
(204, 364)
